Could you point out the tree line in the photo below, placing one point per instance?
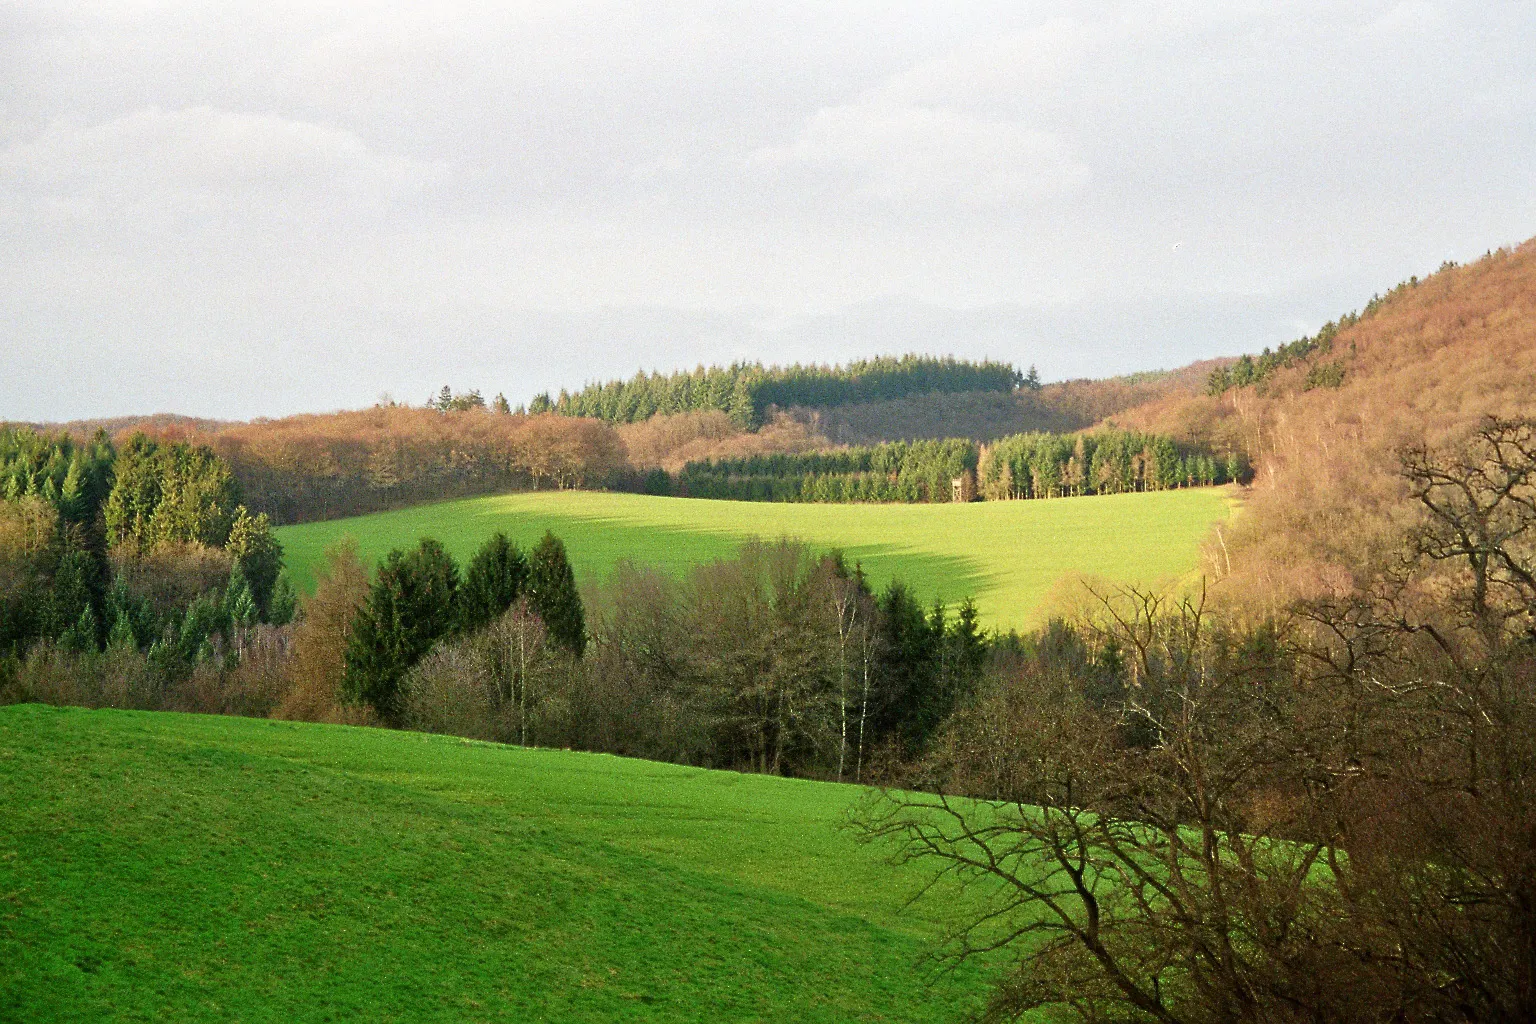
(310, 467)
(905, 471)
(1034, 465)
(779, 660)
(1106, 461)
(746, 391)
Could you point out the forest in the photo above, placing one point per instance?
(143, 549)
(747, 391)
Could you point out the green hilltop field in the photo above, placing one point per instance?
(160, 866)
(1006, 554)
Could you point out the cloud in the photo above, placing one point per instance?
(475, 187)
(1412, 17)
(903, 153)
(210, 154)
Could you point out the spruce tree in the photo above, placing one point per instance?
(495, 577)
(411, 605)
(553, 595)
(258, 556)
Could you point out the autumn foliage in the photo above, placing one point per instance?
(1424, 365)
(347, 463)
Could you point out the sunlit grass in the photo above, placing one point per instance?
(1007, 554)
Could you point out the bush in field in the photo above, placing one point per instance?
(321, 639)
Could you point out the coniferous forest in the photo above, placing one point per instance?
(747, 391)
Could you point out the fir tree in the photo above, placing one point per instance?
(258, 556)
(553, 595)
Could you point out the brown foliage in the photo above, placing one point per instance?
(671, 442)
(27, 528)
(246, 677)
(320, 640)
(1425, 367)
(172, 575)
(328, 465)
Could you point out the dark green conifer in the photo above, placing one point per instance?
(412, 604)
(553, 595)
(492, 582)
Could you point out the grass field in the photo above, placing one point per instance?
(1006, 554)
(179, 867)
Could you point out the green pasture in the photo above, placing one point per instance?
(1006, 554)
(186, 868)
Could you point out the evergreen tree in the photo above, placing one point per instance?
(258, 556)
(167, 494)
(495, 577)
(967, 650)
(74, 589)
(411, 605)
(908, 667)
(553, 595)
(238, 599)
(284, 602)
(122, 637)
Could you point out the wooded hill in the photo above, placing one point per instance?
(748, 391)
(1424, 364)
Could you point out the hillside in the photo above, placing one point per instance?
(1430, 360)
(201, 868)
(1008, 555)
(1060, 407)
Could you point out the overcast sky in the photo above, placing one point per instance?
(238, 209)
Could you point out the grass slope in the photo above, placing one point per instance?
(178, 867)
(1006, 554)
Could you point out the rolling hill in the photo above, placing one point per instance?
(1006, 554)
(181, 867)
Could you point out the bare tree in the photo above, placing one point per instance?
(1160, 855)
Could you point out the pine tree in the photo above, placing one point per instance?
(553, 595)
(238, 599)
(283, 603)
(122, 637)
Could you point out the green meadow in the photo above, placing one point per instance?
(1008, 555)
(159, 866)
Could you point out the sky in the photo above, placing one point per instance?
(253, 209)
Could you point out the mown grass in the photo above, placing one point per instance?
(1008, 555)
(175, 867)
